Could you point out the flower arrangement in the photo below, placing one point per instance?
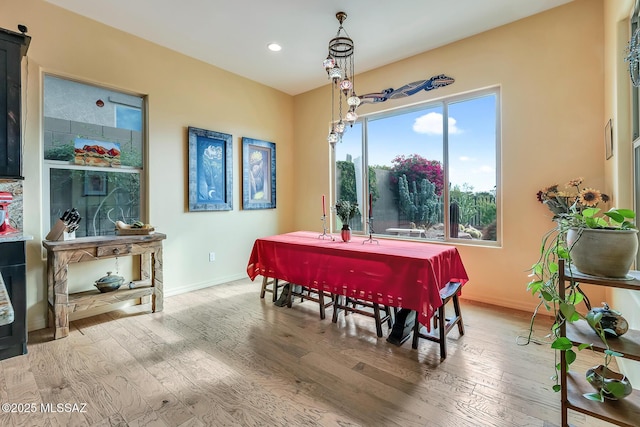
(573, 200)
(577, 207)
(346, 210)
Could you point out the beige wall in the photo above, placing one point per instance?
(550, 70)
(561, 77)
(182, 92)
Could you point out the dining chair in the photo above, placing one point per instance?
(266, 281)
(440, 322)
(323, 298)
(381, 313)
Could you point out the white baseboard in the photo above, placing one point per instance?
(41, 321)
(500, 302)
(196, 286)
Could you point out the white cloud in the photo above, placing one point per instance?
(431, 124)
(487, 169)
(466, 159)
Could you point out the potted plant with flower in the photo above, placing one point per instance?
(575, 213)
(346, 211)
(600, 243)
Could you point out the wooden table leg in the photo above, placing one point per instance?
(265, 282)
(402, 326)
(60, 297)
(146, 273)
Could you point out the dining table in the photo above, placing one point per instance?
(398, 273)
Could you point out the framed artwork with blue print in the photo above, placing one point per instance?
(210, 170)
(258, 174)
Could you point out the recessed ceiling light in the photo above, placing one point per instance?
(274, 47)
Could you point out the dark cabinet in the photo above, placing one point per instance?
(13, 46)
(13, 337)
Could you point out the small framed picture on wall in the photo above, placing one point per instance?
(608, 140)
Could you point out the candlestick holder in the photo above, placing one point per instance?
(370, 227)
(324, 234)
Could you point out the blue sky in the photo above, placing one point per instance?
(472, 140)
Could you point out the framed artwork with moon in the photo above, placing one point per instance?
(210, 170)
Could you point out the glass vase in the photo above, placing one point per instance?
(345, 233)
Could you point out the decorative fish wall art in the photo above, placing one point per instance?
(409, 89)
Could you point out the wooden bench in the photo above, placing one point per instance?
(411, 232)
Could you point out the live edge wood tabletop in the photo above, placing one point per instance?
(62, 253)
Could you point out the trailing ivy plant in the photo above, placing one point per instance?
(545, 285)
(347, 174)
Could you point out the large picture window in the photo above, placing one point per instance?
(93, 155)
(430, 171)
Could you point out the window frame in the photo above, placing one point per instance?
(634, 24)
(48, 165)
(124, 107)
(444, 102)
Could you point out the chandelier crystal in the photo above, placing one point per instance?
(340, 70)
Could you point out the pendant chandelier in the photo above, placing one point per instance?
(339, 68)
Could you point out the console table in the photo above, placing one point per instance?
(62, 253)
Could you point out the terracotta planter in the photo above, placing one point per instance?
(603, 252)
(345, 233)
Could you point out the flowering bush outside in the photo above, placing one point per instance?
(416, 168)
(573, 199)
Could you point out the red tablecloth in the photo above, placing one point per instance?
(395, 272)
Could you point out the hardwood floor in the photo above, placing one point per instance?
(223, 357)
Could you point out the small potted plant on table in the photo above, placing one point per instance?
(346, 211)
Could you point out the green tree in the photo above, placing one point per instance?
(477, 209)
(466, 203)
(347, 187)
(421, 206)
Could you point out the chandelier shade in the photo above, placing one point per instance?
(340, 70)
(341, 47)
